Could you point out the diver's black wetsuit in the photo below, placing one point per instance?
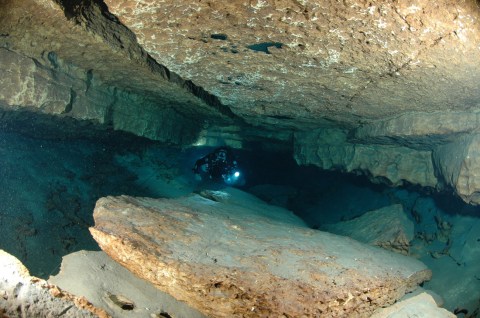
(219, 165)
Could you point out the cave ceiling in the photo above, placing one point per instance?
(295, 65)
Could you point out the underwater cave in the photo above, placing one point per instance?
(337, 176)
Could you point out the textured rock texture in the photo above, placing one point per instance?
(234, 256)
(84, 64)
(313, 60)
(99, 278)
(459, 165)
(388, 227)
(392, 164)
(421, 306)
(22, 295)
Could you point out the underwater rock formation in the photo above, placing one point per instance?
(231, 255)
(22, 295)
(301, 62)
(110, 286)
(422, 305)
(388, 227)
(391, 164)
(459, 165)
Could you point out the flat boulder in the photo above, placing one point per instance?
(22, 295)
(240, 257)
(422, 305)
(387, 227)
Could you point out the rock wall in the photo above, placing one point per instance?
(391, 164)
(459, 165)
(400, 151)
(89, 67)
(63, 90)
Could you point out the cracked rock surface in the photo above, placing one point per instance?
(293, 61)
(239, 257)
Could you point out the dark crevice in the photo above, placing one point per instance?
(263, 47)
(108, 120)
(69, 106)
(219, 36)
(89, 80)
(280, 117)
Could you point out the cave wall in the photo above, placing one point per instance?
(89, 67)
(392, 164)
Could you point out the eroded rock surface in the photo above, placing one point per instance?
(78, 61)
(239, 257)
(330, 149)
(22, 295)
(388, 227)
(305, 61)
(459, 164)
(422, 305)
(95, 275)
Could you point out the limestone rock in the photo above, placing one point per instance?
(329, 149)
(243, 258)
(421, 306)
(388, 227)
(289, 62)
(90, 67)
(100, 279)
(419, 130)
(22, 295)
(459, 165)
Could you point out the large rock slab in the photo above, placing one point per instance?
(110, 286)
(388, 227)
(22, 295)
(235, 256)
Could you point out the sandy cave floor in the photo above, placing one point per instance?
(48, 189)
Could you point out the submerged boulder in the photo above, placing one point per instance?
(240, 257)
(110, 286)
(421, 305)
(22, 295)
(388, 227)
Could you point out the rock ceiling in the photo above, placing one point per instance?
(308, 61)
(297, 64)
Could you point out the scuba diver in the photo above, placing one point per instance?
(218, 166)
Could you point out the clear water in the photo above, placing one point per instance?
(49, 186)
